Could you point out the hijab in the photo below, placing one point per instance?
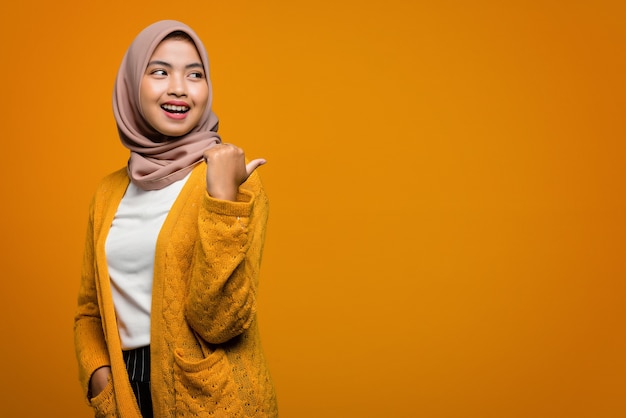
(156, 160)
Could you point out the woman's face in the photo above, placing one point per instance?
(174, 92)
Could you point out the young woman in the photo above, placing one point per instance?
(166, 321)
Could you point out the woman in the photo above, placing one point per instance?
(166, 321)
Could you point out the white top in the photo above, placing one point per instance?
(130, 249)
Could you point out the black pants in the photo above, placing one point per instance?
(138, 367)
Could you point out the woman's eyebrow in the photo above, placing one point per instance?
(167, 64)
(162, 63)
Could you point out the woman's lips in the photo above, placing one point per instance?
(175, 110)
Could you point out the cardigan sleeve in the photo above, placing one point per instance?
(221, 301)
(89, 340)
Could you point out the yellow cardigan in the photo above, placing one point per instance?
(205, 349)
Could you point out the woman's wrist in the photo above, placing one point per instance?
(99, 380)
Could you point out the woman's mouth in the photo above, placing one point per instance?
(175, 109)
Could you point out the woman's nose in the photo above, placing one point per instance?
(177, 86)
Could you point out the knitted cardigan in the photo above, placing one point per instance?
(206, 356)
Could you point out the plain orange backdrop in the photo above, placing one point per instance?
(447, 185)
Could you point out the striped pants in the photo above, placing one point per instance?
(138, 367)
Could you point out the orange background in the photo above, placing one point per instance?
(447, 230)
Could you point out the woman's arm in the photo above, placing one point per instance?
(221, 302)
(89, 341)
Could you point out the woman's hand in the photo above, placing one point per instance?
(99, 380)
(227, 170)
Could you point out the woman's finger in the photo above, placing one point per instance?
(254, 164)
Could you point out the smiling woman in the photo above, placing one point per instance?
(166, 321)
(174, 92)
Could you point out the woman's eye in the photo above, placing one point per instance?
(196, 75)
(158, 72)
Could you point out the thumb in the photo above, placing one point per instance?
(254, 164)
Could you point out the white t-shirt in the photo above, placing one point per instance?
(130, 249)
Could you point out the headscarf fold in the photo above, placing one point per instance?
(155, 160)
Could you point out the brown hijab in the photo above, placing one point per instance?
(155, 160)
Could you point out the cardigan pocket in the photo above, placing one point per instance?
(104, 402)
(205, 387)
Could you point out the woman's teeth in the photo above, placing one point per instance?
(175, 109)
